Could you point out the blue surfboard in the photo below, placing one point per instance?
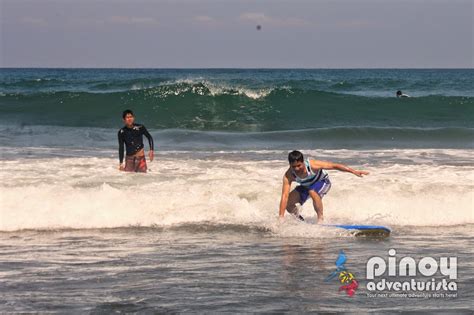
(356, 230)
(364, 230)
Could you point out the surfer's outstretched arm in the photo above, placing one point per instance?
(285, 191)
(315, 164)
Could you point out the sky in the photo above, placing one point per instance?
(224, 34)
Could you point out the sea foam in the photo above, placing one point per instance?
(85, 192)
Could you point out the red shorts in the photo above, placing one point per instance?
(135, 164)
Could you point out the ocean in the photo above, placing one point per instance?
(200, 231)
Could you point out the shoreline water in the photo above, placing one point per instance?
(142, 270)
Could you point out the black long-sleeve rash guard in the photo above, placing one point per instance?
(133, 139)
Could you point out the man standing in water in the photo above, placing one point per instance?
(312, 180)
(131, 135)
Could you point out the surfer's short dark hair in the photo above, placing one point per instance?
(126, 112)
(295, 156)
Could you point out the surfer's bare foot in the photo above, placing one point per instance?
(320, 220)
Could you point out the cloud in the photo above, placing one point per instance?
(131, 20)
(353, 24)
(34, 21)
(262, 18)
(204, 19)
(116, 20)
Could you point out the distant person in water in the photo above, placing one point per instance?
(400, 94)
(312, 180)
(131, 136)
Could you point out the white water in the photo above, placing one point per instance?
(214, 88)
(88, 192)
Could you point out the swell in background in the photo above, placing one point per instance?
(239, 100)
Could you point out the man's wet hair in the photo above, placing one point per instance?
(399, 92)
(295, 156)
(126, 112)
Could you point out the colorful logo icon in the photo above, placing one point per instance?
(346, 278)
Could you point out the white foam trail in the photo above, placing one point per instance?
(90, 193)
(214, 88)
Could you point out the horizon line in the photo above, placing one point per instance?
(248, 68)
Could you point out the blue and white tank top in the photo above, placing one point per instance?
(312, 176)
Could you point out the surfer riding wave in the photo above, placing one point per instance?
(313, 181)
